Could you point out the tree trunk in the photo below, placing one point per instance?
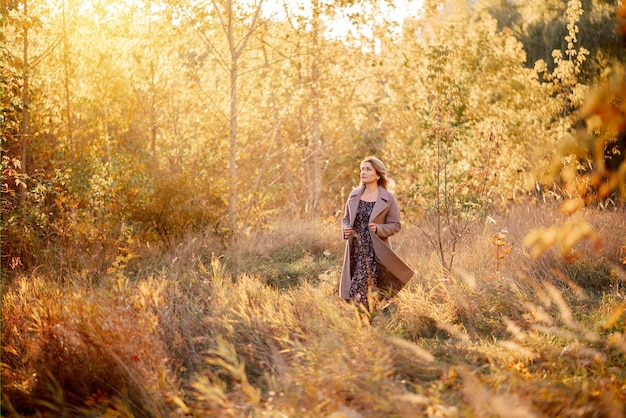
(153, 96)
(234, 55)
(25, 126)
(232, 195)
(153, 114)
(66, 85)
(314, 154)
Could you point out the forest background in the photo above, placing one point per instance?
(174, 174)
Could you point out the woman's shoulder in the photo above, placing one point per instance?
(356, 191)
(385, 194)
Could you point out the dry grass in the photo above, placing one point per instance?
(71, 350)
(256, 330)
(288, 252)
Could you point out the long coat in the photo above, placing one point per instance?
(393, 272)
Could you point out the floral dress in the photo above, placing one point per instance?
(364, 273)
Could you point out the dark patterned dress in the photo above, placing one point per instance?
(364, 273)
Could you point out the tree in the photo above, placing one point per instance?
(25, 125)
(238, 23)
(13, 176)
(601, 141)
(336, 85)
(541, 25)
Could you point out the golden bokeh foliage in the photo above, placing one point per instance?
(591, 169)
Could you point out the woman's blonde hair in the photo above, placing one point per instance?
(380, 169)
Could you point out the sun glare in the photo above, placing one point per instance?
(342, 26)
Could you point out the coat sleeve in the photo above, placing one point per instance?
(392, 224)
(346, 218)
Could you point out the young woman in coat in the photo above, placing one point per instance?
(371, 216)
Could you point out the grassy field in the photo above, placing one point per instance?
(257, 330)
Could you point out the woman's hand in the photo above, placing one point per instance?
(347, 231)
(372, 227)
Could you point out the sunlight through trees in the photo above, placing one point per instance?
(191, 128)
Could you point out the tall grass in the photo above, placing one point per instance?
(69, 350)
(257, 330)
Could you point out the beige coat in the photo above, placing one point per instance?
(393, 272)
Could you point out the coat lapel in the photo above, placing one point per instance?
(353, 203)
(381, 203)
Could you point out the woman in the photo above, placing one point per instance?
(371, 217)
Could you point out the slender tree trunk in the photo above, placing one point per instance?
(316, 140)
(438, 200)
(177, 163)
(66, 85)
(287, 175)
(232, 171)
(236, 49)
(153, 113)
(314, 153)
(25, 126)
(232, 195)
(153, 96)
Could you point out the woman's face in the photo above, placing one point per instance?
(368, 174)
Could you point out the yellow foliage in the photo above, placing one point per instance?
(617, 313)
(604, 112)
(573, 231)
(572, 205)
